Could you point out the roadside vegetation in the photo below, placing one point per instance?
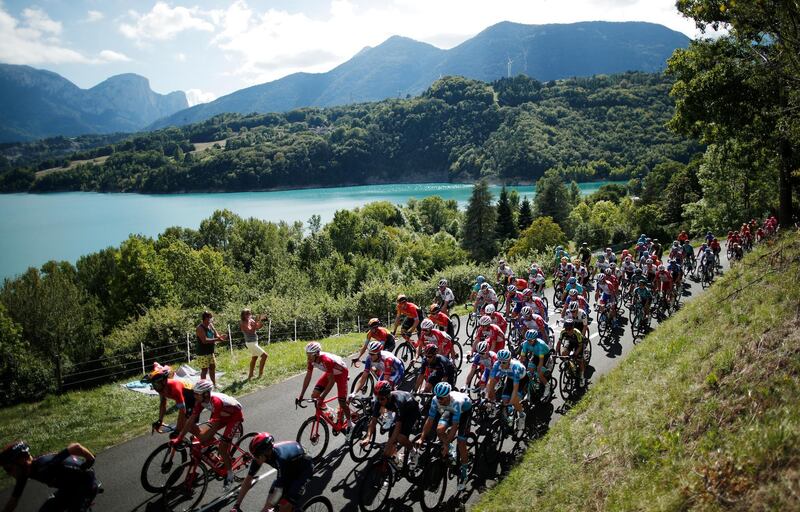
(701, 415)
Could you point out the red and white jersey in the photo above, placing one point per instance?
(329, 363)
(438, 338)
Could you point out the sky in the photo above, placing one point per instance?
(209, 48)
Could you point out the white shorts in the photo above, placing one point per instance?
(255, 349)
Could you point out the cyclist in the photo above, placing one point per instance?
(482, 361)
(485, 296)
(676, 252)
(535, 353)
(674, 268)
(490, 332)
(536, 280)
(642, 295)
(376, 332)
(570, 343)
(473, 296)
(683, 237)
(514, 296)
(538, 306)
(579, 317)
(226, 412)
(531, 320)
(580, 299)
(497, 317)
(505, 274)
(600, 265)
(412, 313)
(572, 284)
(716, 248)
(435, 368)
(441, 320)
(610, 256)
(656, 249)
(585, 254)
(582, 273)
(428, 334)
(68, 471)
(444, 297)
(688, 253)
(294, 468)
(177, 390)
(384, 364)
(560, 256)
(607, 286)
(516, 383)
(406, 411)
(334, 371)
(707, 262)
(454, 411)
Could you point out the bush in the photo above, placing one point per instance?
(541, 234)
(24, 375)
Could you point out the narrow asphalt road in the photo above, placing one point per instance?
(273, 409)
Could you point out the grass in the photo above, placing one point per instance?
(110, 415)
(702, 415)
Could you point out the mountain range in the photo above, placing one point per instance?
(401, 66)
(36, 103)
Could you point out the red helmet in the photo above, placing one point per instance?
(383, 388)
(431, 348)
(260, 443)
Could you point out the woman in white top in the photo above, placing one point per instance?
(249, 326)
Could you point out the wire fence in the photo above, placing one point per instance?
(138, 360)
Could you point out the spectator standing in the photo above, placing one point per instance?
(249, 325)
(207, 339)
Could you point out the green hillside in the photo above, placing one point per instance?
(702, 415)
(458, 130)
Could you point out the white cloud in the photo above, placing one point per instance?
(112, 56)
(164, 22)
(93, 16)
(195, 96)
(181, 57)
(34, 40)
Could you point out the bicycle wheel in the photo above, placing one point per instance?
(459, 360)
(241, 457)
(566, 381)
(357, 452)
(456, 323)
(587, 350)
(501, 301)
(313, 436)
(375, 486)
(472, 324)
(318, 504)
(434, 483)
(407, 354)
(369, 385)
(158, 466)
(185, 488)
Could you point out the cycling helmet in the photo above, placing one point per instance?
(480, 279)
(559, 248)
(426, 324)
(442, 389)
(373, 322)
(655, 240)
(402, 298)
(433, 309)
(638, 271)
(485, 320)
(489, 309)
(564, 259)
(573, 292)
(511, 288)
(203, 386)
(442, 283)
(313, 348)
(504, 355)
(662, 267)
(383, 388)
(260, 443)
(375, 347)
(584, 244)
(526, 311)
(612, 266)
(158, 374)
(568, 323)
(482, 347)
(501, 261)
(601, 257)
(572, 280)
(645, 253)
(14, 451)
(527, 291)
(675, 243)
(628, 259)
(532, 335)
(573, 306)
(484, 286)
(608, 271)
(649, 261)
(608, 249)
(431, 348)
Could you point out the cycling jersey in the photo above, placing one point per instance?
(574, 340)
(381, 334)
(505, 270)
(181, 393)
(579, 317)
(221, 405)
(403, 404)
(643, 294)
(628, 267)
(499, 320)
(664, 278)
(487, 296)
(409, 310)
(493, 334)
(484, 363)
(329, 363)
(534, 350)
(459, 403)
(582, 302)
(537, 304)
(294, 469)
(515, 371)
(61, 471)
(438, 338)
(387, 367)
(535, 321)
(441, 368)
(446, 296)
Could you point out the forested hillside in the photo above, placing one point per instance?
(459, 130)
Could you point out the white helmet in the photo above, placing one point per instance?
(485, 286)
(482, 347)
(501, 262)
(442, 282)
(511, 288)
(203, 386)
(573, 306)
(313, 348)
(375, 347)
(485, 320)
(426, 324)
(526, 311)
(489, 309)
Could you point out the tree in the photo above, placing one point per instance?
(505, 228)
(552, 197)
(525, 214)
(477, 236)
(216, 230)
(743, 86)
(141, 280)
(541, 234)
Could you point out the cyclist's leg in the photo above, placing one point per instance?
(323, 386)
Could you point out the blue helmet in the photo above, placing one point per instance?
(571, 280)
(504, 355)
(442, 389)
(532, 334)
(480, 279)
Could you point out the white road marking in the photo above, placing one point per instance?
(594, 335)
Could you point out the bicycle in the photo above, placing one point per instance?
(639, 324)
(159, 464)
(189, 482)
(314, 432)
(385, 422)
(568, 383)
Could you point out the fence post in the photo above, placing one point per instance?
(358, 323)
(388, 317)
(188, 350)
(230, 339)
(295, 329)
(141, 345)
(269, 332)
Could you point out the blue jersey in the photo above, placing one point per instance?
(515, 370)
(459, 402)
(287, 457)
(534, 349)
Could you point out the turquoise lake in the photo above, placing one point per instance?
(36, 228)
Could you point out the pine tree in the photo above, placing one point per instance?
(478, 231)
(505, 228)
(552, 197)
(525, 214)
